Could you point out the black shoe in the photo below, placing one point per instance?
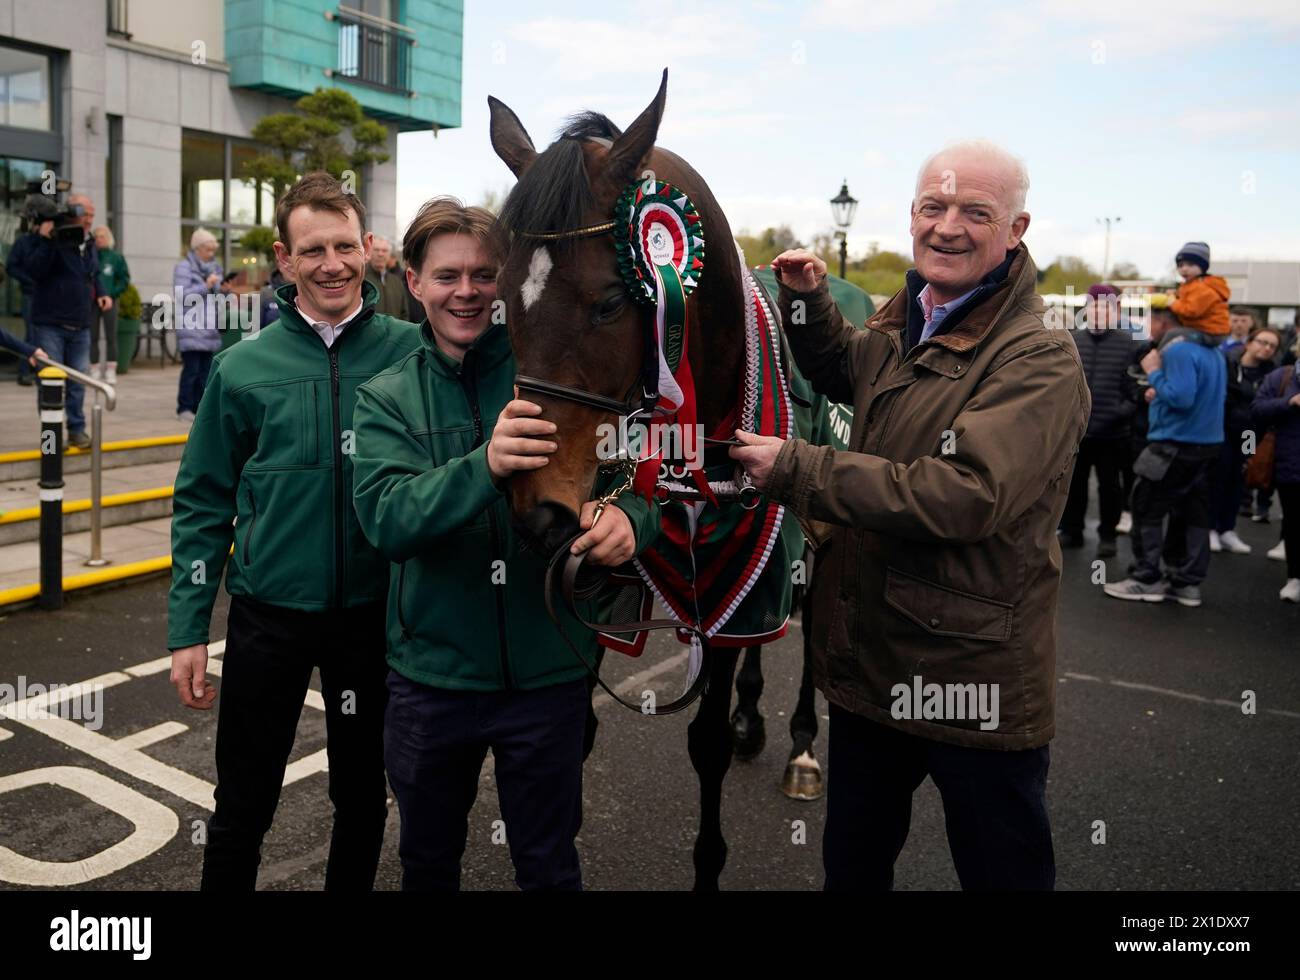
(25, 380)
(1106, 548)
(1070, 539)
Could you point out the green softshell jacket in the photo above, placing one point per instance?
(271, 451)
(465, 605)
(114, 276)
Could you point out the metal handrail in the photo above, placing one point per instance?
(109, 395)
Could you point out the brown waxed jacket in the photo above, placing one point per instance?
(943, 562)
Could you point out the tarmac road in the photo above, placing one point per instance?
(1151, 740)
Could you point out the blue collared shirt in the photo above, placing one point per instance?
(936, 314)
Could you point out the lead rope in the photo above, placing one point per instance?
(567, 566)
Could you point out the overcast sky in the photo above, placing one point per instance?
(1182, 117)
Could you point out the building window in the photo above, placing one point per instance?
(213, 196)
(16, 178)
(373, 48)
(25, 89)
(117, 18)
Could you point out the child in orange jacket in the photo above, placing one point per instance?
(1202, 301)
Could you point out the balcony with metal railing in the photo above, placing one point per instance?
(373, 52)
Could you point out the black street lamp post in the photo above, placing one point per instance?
(843, 207)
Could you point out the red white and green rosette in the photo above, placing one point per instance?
(660, 243)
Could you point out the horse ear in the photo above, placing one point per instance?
(623, 162)
(509, 138)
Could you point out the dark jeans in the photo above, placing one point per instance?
(1108, 457)
(195, 365)
(70, 346)
(25, 370)
(105, 320)
(1289, 496)
(994, 806)
(270, 653)
(435, 741)
(1182, 496)
(1227, 485)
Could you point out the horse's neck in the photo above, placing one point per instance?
(720, 356)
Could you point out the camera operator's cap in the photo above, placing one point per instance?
(1197, 252)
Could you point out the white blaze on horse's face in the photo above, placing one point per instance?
(538, 269)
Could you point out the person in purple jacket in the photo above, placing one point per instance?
(199, 293)
(1277, 407)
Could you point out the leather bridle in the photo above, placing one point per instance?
(567, 567)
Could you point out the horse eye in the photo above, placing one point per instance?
(609, 309)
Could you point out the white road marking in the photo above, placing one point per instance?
(5, 733)
(148, 736)
(539, 267)
(154, 825)
(1170, 692)
(633, 683)
(151, 667)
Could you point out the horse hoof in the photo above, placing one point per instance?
(803, 778)
(748, 735)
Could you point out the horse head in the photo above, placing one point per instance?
(573, 322)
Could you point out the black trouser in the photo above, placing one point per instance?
(1289, 495)
(435, 741)
(1183, 496)
(1108, 456)
(994, 806)
(270, 653)
(1227, 484)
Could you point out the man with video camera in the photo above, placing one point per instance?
(62, 267)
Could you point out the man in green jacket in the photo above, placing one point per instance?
(476, 664)
(271, 449)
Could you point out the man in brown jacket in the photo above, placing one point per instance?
(934, 602)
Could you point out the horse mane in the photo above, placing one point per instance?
(554, 194)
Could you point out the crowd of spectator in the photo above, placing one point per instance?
(1189, 431)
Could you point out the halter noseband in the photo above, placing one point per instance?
(631, 404)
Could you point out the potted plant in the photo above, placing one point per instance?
(128, 327)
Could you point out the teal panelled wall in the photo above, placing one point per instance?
(285, 46)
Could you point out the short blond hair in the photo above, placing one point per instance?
(108, 233)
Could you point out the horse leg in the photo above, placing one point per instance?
(803, 773)
(748, 731)
(708, 740)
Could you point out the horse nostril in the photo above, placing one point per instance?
(548, 527)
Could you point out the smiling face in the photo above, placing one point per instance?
(326, 257)
(456, 286)
(963, 223)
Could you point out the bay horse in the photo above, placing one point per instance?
(579, 343)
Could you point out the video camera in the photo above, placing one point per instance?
(40, 207)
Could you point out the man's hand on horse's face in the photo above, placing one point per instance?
(611, 542)
(757, 456)
(517, 440)
(799, 269)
